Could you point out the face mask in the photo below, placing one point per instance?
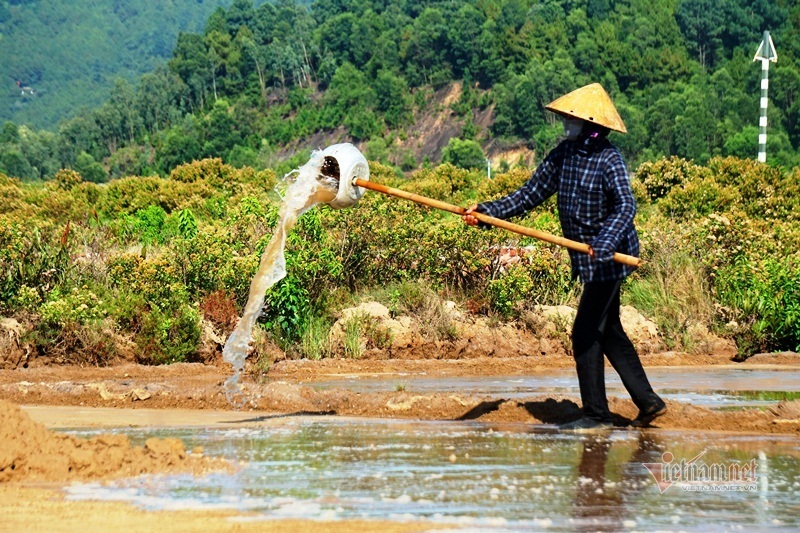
(572, 127)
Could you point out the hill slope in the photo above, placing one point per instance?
(70, 52)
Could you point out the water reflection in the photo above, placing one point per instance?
(600, 501)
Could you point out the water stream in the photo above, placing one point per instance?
(305, 190)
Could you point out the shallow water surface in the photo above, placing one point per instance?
(708, 387)
(477, 476)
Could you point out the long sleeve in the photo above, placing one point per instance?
(542, 184)
(617, 184)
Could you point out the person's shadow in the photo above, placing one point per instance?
(600, 505)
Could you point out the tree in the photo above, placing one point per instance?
(10, 133)
(241, 13)
(349, 91)
(225, 60)
(743, 144)
(157, 98)
(702, 23)
(423, 48)
(41, 151)
(13, 163)
(80, 134)
(464, 52)
(393, 99)
(89, 169)
(695, 126)
(178, 145)
(220, 131)
(464, 154)
(191, 62)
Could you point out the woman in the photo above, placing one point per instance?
(595, 206)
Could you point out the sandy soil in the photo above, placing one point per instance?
(37, 509)
(191, 394)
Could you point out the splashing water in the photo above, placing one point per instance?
(306, 191)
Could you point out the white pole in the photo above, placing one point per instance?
(488, 169)
(766, 53)
(762, 120)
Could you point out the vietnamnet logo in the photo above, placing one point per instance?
(694, 475)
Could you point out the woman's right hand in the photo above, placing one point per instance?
(468, 216)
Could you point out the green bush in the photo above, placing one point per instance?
(34, 257)
(698, 198)
(72, 326)
(509, 290)
(168, 333)
(464, 153)
(155, 250)
(764, 298)
(660, 177)
(287, 308)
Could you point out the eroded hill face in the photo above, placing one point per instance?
(428, 136)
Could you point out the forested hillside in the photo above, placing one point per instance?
(145, 266)
(57, 56)
(260, 81)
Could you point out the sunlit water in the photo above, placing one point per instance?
(707, 387)
(472, 475)
(304, 191)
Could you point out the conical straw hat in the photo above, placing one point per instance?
(590, 103)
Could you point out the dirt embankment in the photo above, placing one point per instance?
(31, 452)
(289, 388)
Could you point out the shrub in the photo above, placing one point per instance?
(660, 177)
(149, 223)
(764, 296)
(502, 184)
(128, 195)
(31, 256)
(721, 239)
(79, 305)
(672, 286)
(66, 179)
(11, 195)
(219, 308)
(763, 191)
(168, 333)
(509, 290)
(445, 182)
(286, 310)
(315, 341)
(698, 198)
(222, 177)
(73, 327)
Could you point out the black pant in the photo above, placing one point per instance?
(598, 330)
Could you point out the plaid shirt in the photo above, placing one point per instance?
(595, 205)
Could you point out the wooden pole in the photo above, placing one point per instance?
(510, 226)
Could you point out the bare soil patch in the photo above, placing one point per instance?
(31, 452)
(288, 389)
